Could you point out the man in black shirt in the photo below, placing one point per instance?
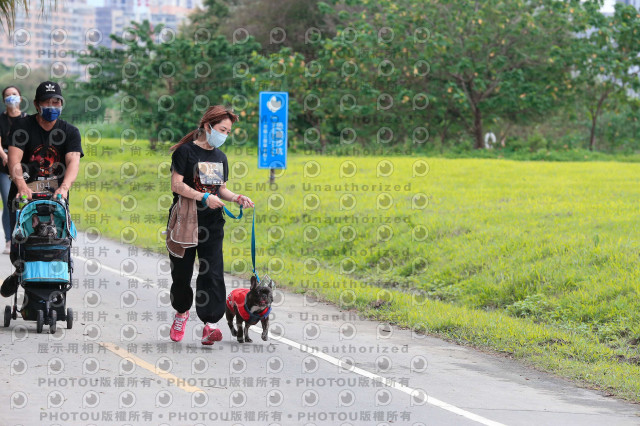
(44, 151)
(44, 155)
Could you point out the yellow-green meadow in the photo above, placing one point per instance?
(538, 260)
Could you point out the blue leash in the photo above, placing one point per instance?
(226, 210)
(253, 236)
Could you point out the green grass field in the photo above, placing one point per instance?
(536, 260)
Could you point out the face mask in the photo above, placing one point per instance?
(12, 101)
(215, 138)
(50, 113)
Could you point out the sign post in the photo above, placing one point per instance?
(272, 139)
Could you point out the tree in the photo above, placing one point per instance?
(501, 57)
(607, 61)
(206, 22)
(357, 89)
(8, 10)
(279, 23)
(396, 68)
(166, 82)
(80, 105)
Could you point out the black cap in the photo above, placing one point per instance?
(47, 90)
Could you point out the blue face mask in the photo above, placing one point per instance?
(50, 113)
(215, 138)
(12, 101)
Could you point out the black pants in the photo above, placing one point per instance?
(210, 288)
(13, 252)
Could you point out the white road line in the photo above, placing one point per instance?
(110, 269)
(387, 382)
(115, 271)
(415, 393)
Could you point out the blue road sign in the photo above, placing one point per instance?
(272, 142)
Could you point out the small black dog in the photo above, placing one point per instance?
(250, 305)
(44, 229)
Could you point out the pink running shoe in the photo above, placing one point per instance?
(177, 329)
(210, 335)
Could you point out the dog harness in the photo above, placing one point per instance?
(238, 299)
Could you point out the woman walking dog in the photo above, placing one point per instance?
(199, 172)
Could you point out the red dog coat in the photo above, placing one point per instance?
(238, 299)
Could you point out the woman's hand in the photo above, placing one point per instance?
(243, 201)
(214, 202)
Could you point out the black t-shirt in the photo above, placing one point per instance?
(44, 151)
(5, 127)
(203, 170)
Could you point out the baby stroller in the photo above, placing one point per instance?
(44, 264)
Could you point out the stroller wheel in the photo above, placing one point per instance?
(39, 321)
(69, 318)
(7, 315)
(53, 318)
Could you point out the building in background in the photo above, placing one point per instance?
(171, 13)
(111, 20)
(116, 15)
(51, 40)
(127, 6)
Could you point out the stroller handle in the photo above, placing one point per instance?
(19, 203)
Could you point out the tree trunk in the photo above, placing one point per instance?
(504, 134)
(477, 129)
(592, 135)
(594, 120)
(443, 136)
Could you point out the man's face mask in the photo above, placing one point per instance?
(50, 113)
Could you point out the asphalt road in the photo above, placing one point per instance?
(321, 365)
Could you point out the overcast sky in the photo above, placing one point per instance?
(608, 6)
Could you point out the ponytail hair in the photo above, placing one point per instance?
(214, 115)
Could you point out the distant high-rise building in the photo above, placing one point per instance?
(51, 40)
(127, 6)
(110, 20)
(171, 13)
(56, 37)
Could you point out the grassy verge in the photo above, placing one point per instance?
(537, 260)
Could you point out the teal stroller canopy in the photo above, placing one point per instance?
(44, 208)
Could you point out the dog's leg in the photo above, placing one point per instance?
(229, 315)
(246, 333)
(265, 328)
(239, 322)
